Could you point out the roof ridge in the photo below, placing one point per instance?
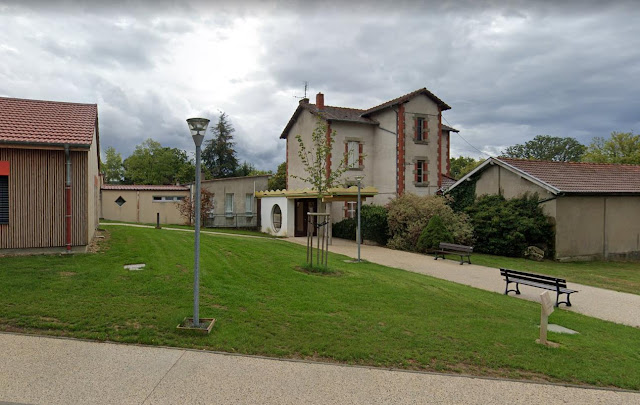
(566, 162)
(335, 106)
(48, 101)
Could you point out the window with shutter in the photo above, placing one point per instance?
(353, 154)
(421, 129)
(248, 204)
(420, 171)
(4, 199)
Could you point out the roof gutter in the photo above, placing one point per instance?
(41, 144)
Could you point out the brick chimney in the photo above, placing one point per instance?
(320, 101)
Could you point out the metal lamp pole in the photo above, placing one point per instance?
(359, 178)
(198, 127)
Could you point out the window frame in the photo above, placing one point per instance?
(4, 189)
(248, 208)
(421, 175)
(228, 211)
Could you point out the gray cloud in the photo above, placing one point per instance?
(510, 70)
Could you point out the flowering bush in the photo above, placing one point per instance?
(409, 214)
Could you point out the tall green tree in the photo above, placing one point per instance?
(462, 165)
(279, 180)
(218, 155)
(151, 163)
(112, 168)
(545, 147)
(621, 147)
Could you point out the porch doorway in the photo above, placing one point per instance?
(304, 205)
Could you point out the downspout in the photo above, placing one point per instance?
(67, 189)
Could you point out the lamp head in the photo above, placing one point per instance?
(198, 127)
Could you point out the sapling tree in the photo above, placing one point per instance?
(314, 159)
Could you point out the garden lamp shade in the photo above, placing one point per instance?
(198, 127)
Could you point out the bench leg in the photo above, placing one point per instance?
(507, 290)
(461, 260)
(567, 302)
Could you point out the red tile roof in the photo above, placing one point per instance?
(143, 187)
(46, 122)
(572, 177)
(357, 115)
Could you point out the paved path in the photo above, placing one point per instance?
(596, 302)
(44, 370)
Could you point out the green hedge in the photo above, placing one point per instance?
(373, 221)
(508, 227)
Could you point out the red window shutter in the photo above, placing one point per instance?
(415, 171)
(346, 153)
(424, 171)
(346, 209)
(360, 147)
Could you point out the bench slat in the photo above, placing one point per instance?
(454, 247)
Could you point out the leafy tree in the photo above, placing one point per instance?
(112, 168)
(151, 163)
(462, 165)
(545, 147)
(187, 207)
(621, 147)
(279, 180)
(218, 155)
(247, 169)
(314, 160)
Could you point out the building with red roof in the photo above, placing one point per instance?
(49, 174)
(595, 206)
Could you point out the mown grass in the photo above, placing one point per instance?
(367, 314)
(233, 231)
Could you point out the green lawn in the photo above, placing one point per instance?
(618, 276)
(369, 315)
(233, 231)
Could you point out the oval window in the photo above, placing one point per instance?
(276, 218)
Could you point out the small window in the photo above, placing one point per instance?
(421, 172)
(352, 208)
(228, 204)
(276, 218)
(157, 198)
(354, 154)
(164, 198)
(120, 201)
(421, 129)
(248, 204)
(4, 199)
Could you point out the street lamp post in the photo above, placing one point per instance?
(359, 179)
(198, 127)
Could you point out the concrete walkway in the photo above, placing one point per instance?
(43, 370)
(609, 305)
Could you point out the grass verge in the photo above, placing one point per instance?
(370, 315)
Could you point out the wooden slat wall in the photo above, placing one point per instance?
(36, 199)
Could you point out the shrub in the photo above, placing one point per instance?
(508, 227)
(432, 234)
(374, 224)
(345, 229)
(409, 214)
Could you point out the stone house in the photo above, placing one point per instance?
(400, 146)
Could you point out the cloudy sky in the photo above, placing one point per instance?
(510, 70)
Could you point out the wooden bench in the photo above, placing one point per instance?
(453, 249)
(537, 280)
